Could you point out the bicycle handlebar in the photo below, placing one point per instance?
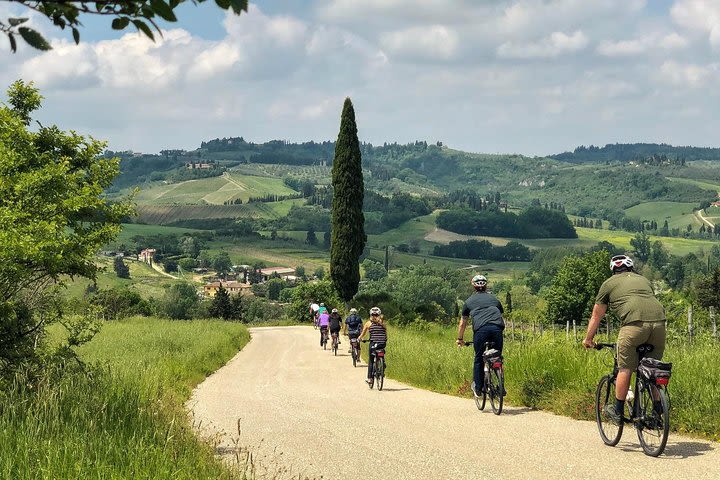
(600, 346)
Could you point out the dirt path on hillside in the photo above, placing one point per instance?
(301, 406)
(701, 217)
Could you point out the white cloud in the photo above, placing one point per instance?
(687, 74)
(434, 42)
(699, 15)
(558, 43)
(642, 45)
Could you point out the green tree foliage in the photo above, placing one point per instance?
(170, 266)
(484, 250)
(373, 270)
(707, 289)
(180, 301)
(534, 222)
(53, 218)
(140, 13)
(274, 287)
(221, 263)
(320, 273)
(307, 292)
(572, 293)
(120, 303)
(326, 239)
(311, 237)
(221, 305)
(641, 246)
(348, 234)
(300, 271)
(121, 270)
(659, 256)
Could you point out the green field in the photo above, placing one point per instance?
(164, 214)
(213, 190)
(129, 230)
(688, 181)
(678, 215)
(123, 418)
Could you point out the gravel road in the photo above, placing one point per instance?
(309, 411)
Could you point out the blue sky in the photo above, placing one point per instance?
(517, 76)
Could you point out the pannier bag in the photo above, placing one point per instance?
(492, 355)
(655, 371)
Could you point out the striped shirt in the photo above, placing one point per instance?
(378, 333)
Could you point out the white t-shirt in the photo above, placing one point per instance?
(315, 307)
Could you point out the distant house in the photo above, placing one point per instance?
(715, 204)
(283, 272)
(232, 287)
(195, 165)
(147, 255)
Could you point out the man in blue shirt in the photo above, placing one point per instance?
(486, 312)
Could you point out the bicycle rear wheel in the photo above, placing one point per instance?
(653, 425)
(495, 388)
(335, 347)
(354, 357)
(380, 373)
(605, 395)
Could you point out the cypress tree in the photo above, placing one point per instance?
(348, 222)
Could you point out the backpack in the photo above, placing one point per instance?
(655, 371)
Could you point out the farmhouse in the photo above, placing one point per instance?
(147, 255)
(232, 287)
(283, 272)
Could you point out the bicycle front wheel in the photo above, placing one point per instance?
(380, 374)
(496, 387)
(605, 395)
(653, 422)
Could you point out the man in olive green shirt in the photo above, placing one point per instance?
(629, 296)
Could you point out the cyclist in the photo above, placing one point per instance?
(629, 296)
(322, 308)
(378, 338)
(486, 312)
(335, 323)
(314, 307)
(353, 326)
(324, 322)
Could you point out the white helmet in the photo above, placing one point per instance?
(353, 310)
(619, 261)
(334, 310)
(479, 281)
(375, 311)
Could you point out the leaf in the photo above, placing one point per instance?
(76, 35)
(13, 44)
(239, 6)
(120, 23)
(14, 22)
(224, 4)
(163, 10)
(142, 26)
(34, 39)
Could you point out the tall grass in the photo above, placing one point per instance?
(553, 374)
(124, 418)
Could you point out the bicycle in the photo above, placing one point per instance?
(494, 373)
(355, 350)
(378, 371)
(651, 423)
(335, 343)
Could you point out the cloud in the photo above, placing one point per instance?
(558, 43)
(642, 45)
(433, 42)
(687, 74)
(699, 15)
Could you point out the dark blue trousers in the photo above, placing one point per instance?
(486, 333)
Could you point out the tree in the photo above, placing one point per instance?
(311, 238)
(221, 305)
(221, 263)
(170, 266)
(320, 273)
(659, 255)
(572, 292)
(180, 301)
(300, 271)
(641, 246)
(348, 234)
(123, 12)
(274, 287)
(121, 270)
(326, 239)
(54, 216)
(707, 289)
(373, 270)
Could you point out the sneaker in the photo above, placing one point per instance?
(612, 414)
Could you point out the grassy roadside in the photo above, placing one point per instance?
(126, 418)
(552, 374)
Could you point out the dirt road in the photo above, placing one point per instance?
(301, 406)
